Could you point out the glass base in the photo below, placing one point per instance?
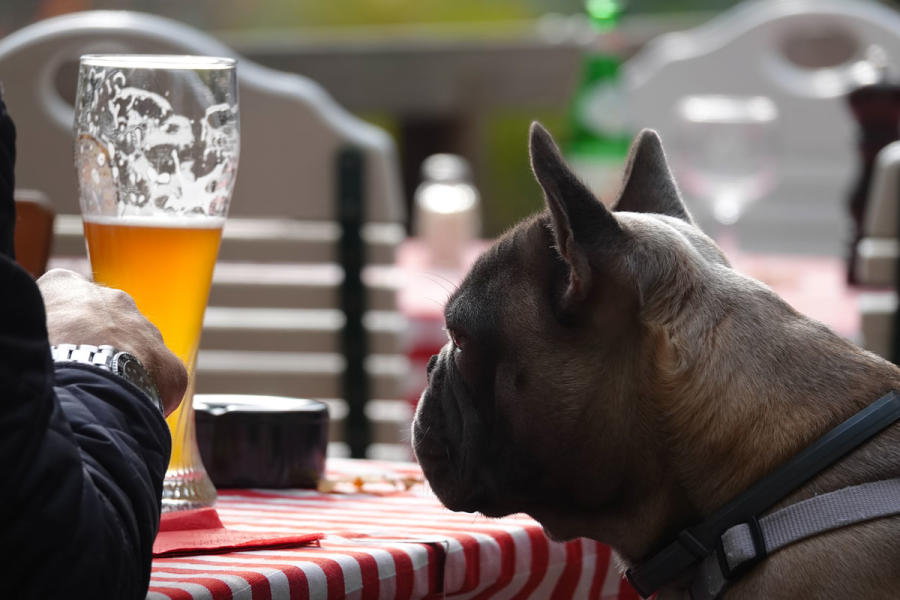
(187, 490)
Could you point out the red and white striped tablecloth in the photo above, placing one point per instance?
(386, 543)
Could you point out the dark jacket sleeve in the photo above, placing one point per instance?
(7, 181)
(82, 462)
(82, 458)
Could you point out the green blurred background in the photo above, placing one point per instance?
(501, 168)
(266, 14)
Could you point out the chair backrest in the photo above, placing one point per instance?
(34, 230)
(277, 321)
(803, 54)
(877, 260)
(878, 252)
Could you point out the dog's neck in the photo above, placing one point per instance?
(725, 373)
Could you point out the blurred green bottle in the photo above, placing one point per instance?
(599, 123)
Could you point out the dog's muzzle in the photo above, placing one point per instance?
(445, 436)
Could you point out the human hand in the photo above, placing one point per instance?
(80, 312)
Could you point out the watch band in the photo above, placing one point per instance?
(125, 365)
(99, 356)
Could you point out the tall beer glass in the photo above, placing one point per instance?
(156, 152)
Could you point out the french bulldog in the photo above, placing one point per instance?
(608, 373)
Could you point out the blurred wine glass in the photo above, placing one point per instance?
(727, 156)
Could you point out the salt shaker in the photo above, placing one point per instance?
(447, 210)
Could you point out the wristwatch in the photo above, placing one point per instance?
(125, 365)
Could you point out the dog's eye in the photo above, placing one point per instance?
(457, 338)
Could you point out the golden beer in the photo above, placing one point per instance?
(157, 143)
(166, 265)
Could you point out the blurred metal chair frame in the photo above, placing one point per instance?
(803, 54)
(306, 259)
(878, 252)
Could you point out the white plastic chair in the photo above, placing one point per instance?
(764, 47)
(878, 250)
(275, 323)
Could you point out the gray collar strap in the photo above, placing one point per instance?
(747, 543)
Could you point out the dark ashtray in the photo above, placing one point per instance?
(261, 441)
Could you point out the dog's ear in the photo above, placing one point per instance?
(648, 185)
(579, 220)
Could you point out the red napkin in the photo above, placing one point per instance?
(201, 532)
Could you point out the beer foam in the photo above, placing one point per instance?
(157, 61)
(169, 222)
(137, 156)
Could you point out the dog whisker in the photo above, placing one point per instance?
(437, 302)
(441, 279)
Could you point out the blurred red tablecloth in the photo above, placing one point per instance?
(385, 541)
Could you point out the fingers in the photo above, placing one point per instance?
(80, 312)
(171, 379)
(137, 335)
(59, 277)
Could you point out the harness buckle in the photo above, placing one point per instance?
(759, 550)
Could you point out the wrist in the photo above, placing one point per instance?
(122, 364)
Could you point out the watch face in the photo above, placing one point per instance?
(131, 369)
